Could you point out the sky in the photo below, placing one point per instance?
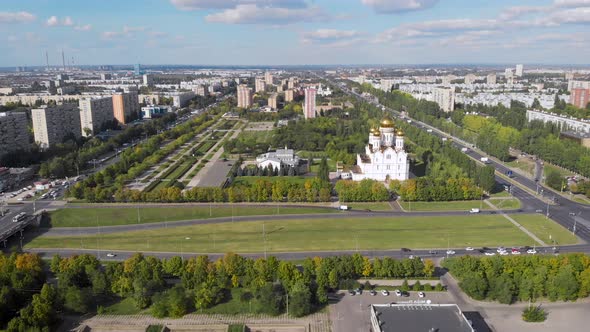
(294, 32)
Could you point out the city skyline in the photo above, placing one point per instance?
(295, 32)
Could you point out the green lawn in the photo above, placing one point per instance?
(316, 165)
(527, 167)
(249, 180)
(506, 204)
(547, 167)
(309, 235)
(443, 206)
(373, 206)
(258, 136)
(545, 228)
(88, 217)
(581, 200)
(502, 193)
(124, 307)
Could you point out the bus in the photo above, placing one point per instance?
(19, 217)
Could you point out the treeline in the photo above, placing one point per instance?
(522, 278)
(174, 287)
(366, 190)
(100, 186)
(428, 189)
(262, 190)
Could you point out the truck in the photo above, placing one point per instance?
(343, 207)
(485, 160)
(464, 150)
(474, 210)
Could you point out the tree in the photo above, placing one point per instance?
(554, 180)
(178, 303)
(323, 170)
(475, 286)
(300, 300)
(428, 267)
(77, 299)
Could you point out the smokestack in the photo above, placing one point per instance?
(63, 60)
(46, 61)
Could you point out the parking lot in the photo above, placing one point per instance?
(352, 312)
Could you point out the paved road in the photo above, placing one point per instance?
(432, 253)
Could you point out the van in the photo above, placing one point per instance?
(343, 207)
(474, 210)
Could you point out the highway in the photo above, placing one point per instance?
(567, 213)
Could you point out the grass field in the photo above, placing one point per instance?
(546, 228)
(316, 165)
(373, 206)
(506, 204)
(548, 167)
(443, 206)
(258, 136)
(124, 307)
(502, 193)
(526, 166)
(249, 180)
(309, 235)
(88, 217)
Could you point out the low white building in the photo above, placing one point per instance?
(280, 158)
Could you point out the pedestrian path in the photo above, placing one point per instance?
(519, 226)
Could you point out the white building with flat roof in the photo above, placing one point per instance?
(445, 98)
(566, 123)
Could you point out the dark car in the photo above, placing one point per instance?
(406, 250)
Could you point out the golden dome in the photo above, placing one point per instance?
(377, 133)
(386, 122)
(399, 132)
(373, 130)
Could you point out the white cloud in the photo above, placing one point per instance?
(111, 34)
(253, 14)
(572, 16)
(68, 21)
(398, 6)
(126, 31)
(519, 11)
(330, 34)
(571, 3)
(86, 27)
(53, 21)
(16, 17)
(227, 4)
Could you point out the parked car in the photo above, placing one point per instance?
(421, 294)
(490, 253)
(398, 292)
(450, 252)
(384, 292)
(111, 255)
(469, 248)
(351, 292)
(372, 292)
(531, 251)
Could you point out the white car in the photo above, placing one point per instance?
(469, 248)
(421, 294)
(503, 253)
(516, 252)
(490, 253)
(531, 251)
(450, 252)
(398, 292)
(111, 255)
(384, 292)
(500, 249)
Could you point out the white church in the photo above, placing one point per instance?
(384, 158)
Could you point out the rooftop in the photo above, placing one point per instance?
(421, 318)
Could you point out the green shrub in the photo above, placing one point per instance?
(534, 314)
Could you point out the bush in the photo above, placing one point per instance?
(534, 314)
(405, 287)
(368, 285)
(427, 287)
(348, 284)
(439, 287)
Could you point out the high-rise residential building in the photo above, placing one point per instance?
(572, 84)
(94, 113)
(125, 106)
(445, 98)
(201, 90)
(580, 97)
(470, 79)
(272, 101)
(508, 72)
(105, 77)
(14, 132)
(386, 84)
(268, 77)
(52, 125)
(289, 94)
(519, 70)
(491, 79)
(309, 107)
(291, 83)
(280, 88)
(244, 96)
(137, 69)
(148, 80)
(259, 84)
(569, 75)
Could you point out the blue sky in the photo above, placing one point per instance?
(274, 32)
